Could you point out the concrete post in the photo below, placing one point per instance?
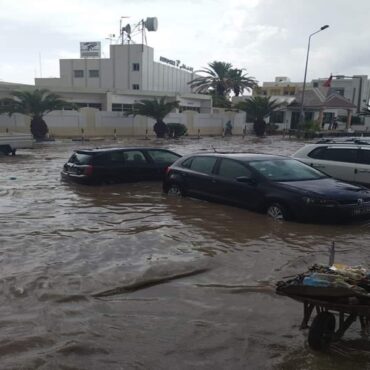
(349, 117)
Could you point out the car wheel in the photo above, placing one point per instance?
(278, 212)
(321, 331)
(175, 190)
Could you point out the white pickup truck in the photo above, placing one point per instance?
(10, 142)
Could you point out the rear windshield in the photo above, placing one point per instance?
(80, 158)
(286, 170)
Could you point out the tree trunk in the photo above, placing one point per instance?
(39, 129)
(160, 129)
(259, 127)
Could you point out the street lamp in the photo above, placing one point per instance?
(301, 114)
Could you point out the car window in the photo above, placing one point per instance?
(203, 164)
(232, 169)
(161, 156)
(335, 154)
(80, 158)
(318, 153)
(102, 159)
(364, 156)
(187, 163)
(341, 154)
(286, 170)
(116, 156)
(134, 157)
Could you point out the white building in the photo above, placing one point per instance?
(129, 75)
(355, 88)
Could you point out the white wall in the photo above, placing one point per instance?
(92, 122)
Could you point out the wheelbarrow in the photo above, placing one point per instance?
(324, 329)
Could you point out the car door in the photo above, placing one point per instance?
(108, 166)
(335, 161)
(362, 168)
(136, 167)
(235, 183)
(199, 177)
(160, 160)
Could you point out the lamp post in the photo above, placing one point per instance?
(301, 114)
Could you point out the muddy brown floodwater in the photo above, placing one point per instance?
(124, 277)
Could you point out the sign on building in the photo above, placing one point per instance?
(90, 49)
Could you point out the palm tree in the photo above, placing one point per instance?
(216, 79)
(157, 109)
(259, 108)
(239, 81)
(34, 104)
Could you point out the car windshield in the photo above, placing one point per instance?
(80, 158)
(286, 170)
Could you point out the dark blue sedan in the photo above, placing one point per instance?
(282, 187)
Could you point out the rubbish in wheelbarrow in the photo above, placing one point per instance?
(339, 289)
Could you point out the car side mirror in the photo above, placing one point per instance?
(247, 180)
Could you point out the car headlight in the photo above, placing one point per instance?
(319, 201)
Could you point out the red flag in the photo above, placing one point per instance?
(327, 83)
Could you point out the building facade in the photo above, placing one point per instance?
(129, 75)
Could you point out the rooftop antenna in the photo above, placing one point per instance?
(120, 27)
(127, 30)
(110, 37)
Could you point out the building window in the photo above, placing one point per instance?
(315, 84)
(135, 66)
(93, 73)
(78, 73)
(277, 117)
(339, 91)
(184, 108)
(89, 105)
(135, 87)
(121, 107)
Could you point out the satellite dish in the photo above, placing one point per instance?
(151, 24)
(127, 29)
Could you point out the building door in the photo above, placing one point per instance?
(294, 120)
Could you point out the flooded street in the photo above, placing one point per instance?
(125, 277)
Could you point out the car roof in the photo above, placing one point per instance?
(345, 140)
(110, 149)
(241, 156)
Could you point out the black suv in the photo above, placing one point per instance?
(113, 165)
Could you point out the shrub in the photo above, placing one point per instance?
(308, 129)
(356, 120)
(176, 130)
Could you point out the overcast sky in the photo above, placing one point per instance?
(266, 37)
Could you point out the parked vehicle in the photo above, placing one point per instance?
(10, 142)
(342, 160)
(113, 165)
(282, 187)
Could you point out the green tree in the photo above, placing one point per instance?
(156, 109)
(35, 104)
(216, 79)
(259, 108)
(219, 80)
(238, 81)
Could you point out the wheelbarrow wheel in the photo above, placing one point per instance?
(321, 331)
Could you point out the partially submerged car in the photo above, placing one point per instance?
(115, 165)
(282, 187)
(347, 159)
(10, 142)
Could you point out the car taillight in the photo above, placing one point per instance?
(88, 170)
(167, 170)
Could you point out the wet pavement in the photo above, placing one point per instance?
(124, 277)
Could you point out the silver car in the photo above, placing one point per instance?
(348, 161)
